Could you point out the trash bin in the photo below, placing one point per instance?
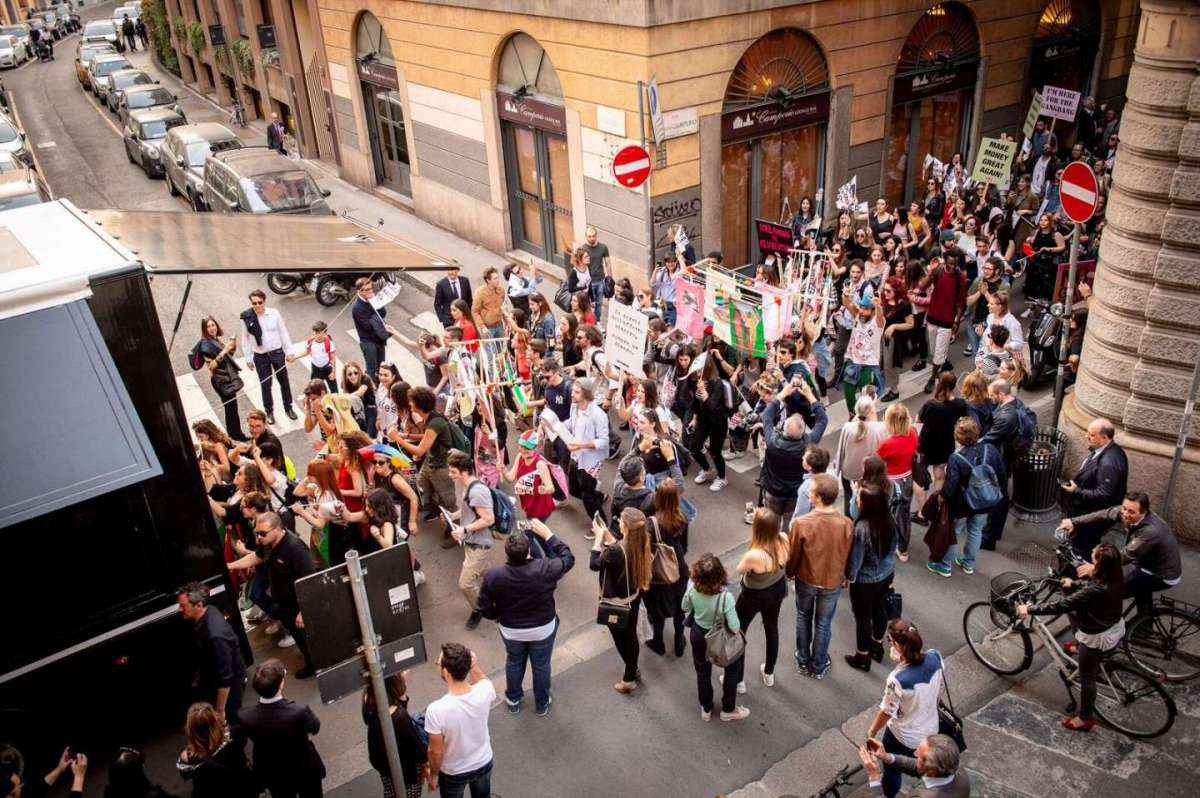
(1035, 475)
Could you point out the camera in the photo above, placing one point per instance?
(524, 526)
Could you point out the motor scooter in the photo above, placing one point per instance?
(1045, 327)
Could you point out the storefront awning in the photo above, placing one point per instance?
(169, 242)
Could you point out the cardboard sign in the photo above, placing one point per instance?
(1035, 110)
(994, 162)
(772, 236)
(1059, 103)
(625, 337)
(1085, 272)
(847, 195)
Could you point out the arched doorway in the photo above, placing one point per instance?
(932, 96)
(772, 136)
(382, 103)
(1064, 52)
(533, 128)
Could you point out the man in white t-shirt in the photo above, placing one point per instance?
(460, 747)
(862, 353)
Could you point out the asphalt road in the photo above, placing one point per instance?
(594, 742)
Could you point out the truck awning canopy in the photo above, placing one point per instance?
(170, 242)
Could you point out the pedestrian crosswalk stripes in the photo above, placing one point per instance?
(253, 392)
(195, 404)
(411, 370)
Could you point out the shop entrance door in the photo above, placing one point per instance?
(539, 191)
(389, 146)
(934, 126)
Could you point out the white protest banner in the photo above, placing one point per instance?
(994, 161)
(847, 195)
(1035, 110)
(385, 295)
(625, 337)
(1059, 103)
(934, 166)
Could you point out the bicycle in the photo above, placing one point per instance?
(842, 779)
(1165, 643)
(237, 115)
(1127, 698)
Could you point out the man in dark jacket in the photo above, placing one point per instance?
(285, 759)
(519, 596)
(275, 133)
(969, 521)
(783, 463)
(129, 32)
(1005, 435)
(1102, 479)
(373, 331)
(221, 675)
(947, 301)
(449, 288)
(629, 490)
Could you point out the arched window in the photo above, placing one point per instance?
(371, 41)
(1067, 20)
(783, 64)
(526, 69)
(943, 37)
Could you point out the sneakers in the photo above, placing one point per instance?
(418, 578)
(801, 667)
(890, 396)
(717, 485)
(253, 613)
(739, 713)
(902, 556)
(748, 516)
(819, 674)
(938, 568)
(625, 688)
(513, 709)
(657, 646)
(544, 711)
(704, 476)
(473, 620)
(287, 641)
(706, 715)
(968, 351)
(741, 688)
(966, 569)
(272, 628)
(768, 679)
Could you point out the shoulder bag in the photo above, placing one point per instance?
(664, 564)
(562, 298)
(722, 646)
(949, 722)
(618, 613)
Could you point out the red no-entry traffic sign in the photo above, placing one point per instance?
(1079, 192)
(631, 166)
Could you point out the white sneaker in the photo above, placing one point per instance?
(749, 516)
(768, 678)
(741, 688)
(254, 614)
(705, 716)
(717, 485)
(418, 578)
(287, 641)
(740, 713)
(273, 628)
(704, 476)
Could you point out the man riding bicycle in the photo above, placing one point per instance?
(1150, 554)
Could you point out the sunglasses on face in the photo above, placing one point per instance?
(257, 304)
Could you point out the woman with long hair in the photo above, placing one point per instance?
(581, 308)
(935, 200)
(897, 452)
(386, 413)
(1094, 606)
(897, 325)
(357, 383)
(214, 446)
(541, 322)
(712, 407)
(669, 527)
(922, 233)
(566, 340)
(352, 478)
(413, 752)
(217, 352)
(920, 298)
(870, 572)
(974, 393)
(938, 416)
(624, 564)
(843, 235)
(659, 452)
(460, 313)
(382, 521)
(683, 385)
(859, 439)
(330, 535)
(706, 602)
(764, 586)
(579, 277)
(1048, 246)
(215, 765)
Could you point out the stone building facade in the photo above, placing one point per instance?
(1143, 335)
(499, 119)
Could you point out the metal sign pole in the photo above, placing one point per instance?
(370, 650)
(1065, 331)
(1188, 409)
(646, 183)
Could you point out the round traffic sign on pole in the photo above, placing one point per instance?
(631, 166)
(1079, 192)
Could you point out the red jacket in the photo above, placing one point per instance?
(948, 297)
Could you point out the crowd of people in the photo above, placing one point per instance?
(520, 399)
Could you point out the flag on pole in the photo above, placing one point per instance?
(518, 390)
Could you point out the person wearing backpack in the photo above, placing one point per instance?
(1012, 431)
(972, 489)
(438, 439)
(476, 517)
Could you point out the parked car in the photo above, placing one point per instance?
(100, 71)
(260, 180)
(13, 141)
(21, 31)
(144, 133)
(21, 188)
(124, 79)
(12, 52)
(184, 152)
(9, 163)
(119, 14)
(83, 59)
(100, 30)
(140, 97)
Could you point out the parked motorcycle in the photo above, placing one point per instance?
(284, 283)
(338, 287)
(1045, 327)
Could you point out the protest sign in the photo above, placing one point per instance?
(994, 161)
(847, 195)
(1035, 110)
(689, 307)
(718, 289)
(1059, 103)
(625, 337)
(773, 237)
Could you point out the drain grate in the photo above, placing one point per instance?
(1033, 558)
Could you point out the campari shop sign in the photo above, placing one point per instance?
(750, 123)
(531, 112)
(931, 82)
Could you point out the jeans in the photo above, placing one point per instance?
(998, 515)
(479, 781)
(704, 688)
(596, 293)
(767, 600)
(266, 364)
(892, 777)
(668, 314)
(974, 339)
(969, 531)
(538, 653)
(258, 594)
(814, 624)
(373, 355)
(870, 613)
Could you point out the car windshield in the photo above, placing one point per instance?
(19, 201)
(102, 27)
(104, 68)
(198, 151)
(135, 79)
(281, 191)
(7, 132)
(148, 98)
(158, 128)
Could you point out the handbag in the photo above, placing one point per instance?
(722, 646)
(920, 471)
(949, 722)
(562, 298)
(893, 605)
(664, 564)
(618, 613)
(610, 287)
(940, 535)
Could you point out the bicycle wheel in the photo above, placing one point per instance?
(1001, 647)
(1132, 702)
(1165, 644)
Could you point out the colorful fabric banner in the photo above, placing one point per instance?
(689, 307)
(718, 290)
(776, 312)
(741, 326)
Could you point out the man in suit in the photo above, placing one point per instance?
(1102, 479)
(448, 289)
(275, 132)
(936, 764)
(285, 759)
(372, 330)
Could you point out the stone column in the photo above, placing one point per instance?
(1143, 333)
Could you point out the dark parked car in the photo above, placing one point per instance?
(144, 134)
(139, 98)
(124, 79)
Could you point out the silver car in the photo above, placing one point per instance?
(124, 79)
(184, 153)
(21, 31)
(100, 71)
(100, 30)
(19, 189)
(144, 133)
(137, 98)
(259, 180)
(13, 142)
(12, 52)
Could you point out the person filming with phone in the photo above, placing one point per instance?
(935, 762)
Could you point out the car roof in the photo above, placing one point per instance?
(203, 131)
(14, 184)
(143, 115)
(121, 73)
(250, 161)
(103, 59)
(145, 88)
